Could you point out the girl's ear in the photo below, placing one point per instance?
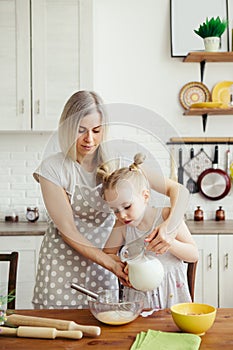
(146, 194)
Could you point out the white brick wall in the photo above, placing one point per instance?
(20, 153)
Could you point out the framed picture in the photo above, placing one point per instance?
(187, 15)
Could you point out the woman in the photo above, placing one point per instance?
(80, 219)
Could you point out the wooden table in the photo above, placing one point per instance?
(220, 336)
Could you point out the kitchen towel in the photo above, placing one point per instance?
(158, 340)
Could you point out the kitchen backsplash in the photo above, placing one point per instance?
(20, 154)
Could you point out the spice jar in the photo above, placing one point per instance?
(11, 215)
(220, 214)
(198, 214)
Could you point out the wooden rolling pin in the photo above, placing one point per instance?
(20, 320)
(40, 332)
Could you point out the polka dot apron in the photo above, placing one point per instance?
(59, 264)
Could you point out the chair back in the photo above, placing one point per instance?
(12, 258)
(191, 276)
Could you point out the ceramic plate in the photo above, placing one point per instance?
(221, 92)
(193, 92)
(207, 105)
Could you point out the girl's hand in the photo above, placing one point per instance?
(160, 240)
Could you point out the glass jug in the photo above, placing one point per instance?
(145, 271)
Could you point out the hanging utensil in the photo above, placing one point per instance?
(214, 183)
(195, 166)
(191, 184)
(173, 175)
(180, 168)
(228, 155)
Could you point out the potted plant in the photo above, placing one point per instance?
(3, 304)
(211, 31)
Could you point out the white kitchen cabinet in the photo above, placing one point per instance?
(225, 270)
(28, 248)
(206, 285)
(214, 283)
(45, 57)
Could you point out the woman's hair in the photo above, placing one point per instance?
(79, 105)
(134, 174)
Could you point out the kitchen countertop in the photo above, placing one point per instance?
(119, 337)
(38, 228)
(23, 228)
(210, 227)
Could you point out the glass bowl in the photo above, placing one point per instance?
(115, 307)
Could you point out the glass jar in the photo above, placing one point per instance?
(145, 271)
(32, 214)
(198, 214)
(11, 215)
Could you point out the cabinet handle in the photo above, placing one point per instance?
(226, 261)
(37, 103)
(210, 261)
(21, 106)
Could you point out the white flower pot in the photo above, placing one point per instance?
(212, 43)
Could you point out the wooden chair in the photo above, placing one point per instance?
(191, 274)
(12, 277)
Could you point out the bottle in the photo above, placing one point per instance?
(220, 214)
(145, 271)
(231, 96)
(198, 214)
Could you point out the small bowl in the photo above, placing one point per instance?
(193, 317)
(115, 309)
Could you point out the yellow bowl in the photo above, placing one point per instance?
(193, 317)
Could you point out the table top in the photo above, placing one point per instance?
(220, 336)
(37, 228)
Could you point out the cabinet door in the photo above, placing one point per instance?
(206, 286)
(15, 106)
(28, 248)
(55, 59)
(225, 270)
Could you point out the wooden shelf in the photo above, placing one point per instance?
(200, 140)
(200, 56)
(209, 111)
(204, 112)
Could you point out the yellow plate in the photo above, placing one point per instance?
(231, 171)
(193, 92)
(207, 105)
(221, 92)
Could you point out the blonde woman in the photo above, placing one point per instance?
(127, 192)
(81, 221)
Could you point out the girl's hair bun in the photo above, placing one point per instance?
(138, 159)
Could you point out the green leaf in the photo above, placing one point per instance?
(212, 27)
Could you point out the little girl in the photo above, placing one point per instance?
(127, 192)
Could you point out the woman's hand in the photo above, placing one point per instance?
(120, 269)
